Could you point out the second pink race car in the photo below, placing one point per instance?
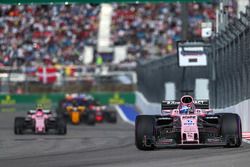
(40, 121)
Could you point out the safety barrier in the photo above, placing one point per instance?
(230, 70)
(145, 106)
(242, 109)
(229, 64)
(12, 103)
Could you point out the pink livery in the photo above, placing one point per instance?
(187, 122)
(39, 121)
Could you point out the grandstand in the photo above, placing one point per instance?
(44, 34)
(76, 40)
(57, 34)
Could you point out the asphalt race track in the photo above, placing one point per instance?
(108, 145)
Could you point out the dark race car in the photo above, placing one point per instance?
(103, 113)
(187, 122)
(39, 121)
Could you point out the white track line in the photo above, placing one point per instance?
(246, 137)
(123, 116)
(246, 141)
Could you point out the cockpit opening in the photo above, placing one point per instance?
(186, 99)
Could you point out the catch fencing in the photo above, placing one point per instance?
(229, 60)
(228, 69)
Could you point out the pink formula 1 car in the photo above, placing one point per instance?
(187, 122)
(39, 121)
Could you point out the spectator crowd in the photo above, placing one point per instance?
(31, 34)
(46, 33)
(153, 29)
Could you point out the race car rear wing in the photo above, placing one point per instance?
(173, 104)
(201, 104)
(169, 104)
(34, 111)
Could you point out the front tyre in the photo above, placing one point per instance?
(231, 129)
(61, 127)
(19, 125)
(91, 117)
(144, 132)
(112, 117)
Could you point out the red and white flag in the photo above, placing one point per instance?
(47, 75)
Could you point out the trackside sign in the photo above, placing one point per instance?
(191, 54)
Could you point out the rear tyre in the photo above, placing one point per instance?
(61, 127)
(111, 117)
(91, 117)
(231, 129)
(144, 132)
(19, 125)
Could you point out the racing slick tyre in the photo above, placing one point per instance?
(91, 117)
(61, 127)
(144, 132)
(111, 117)
(19, 125)
(231, 129)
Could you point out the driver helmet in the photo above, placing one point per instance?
(39, 112)
(184, 110)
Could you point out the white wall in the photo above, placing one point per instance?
(145, 106)
(120, 54)
(242, 6)
(201, 89)
(88, 56)
(170, 91)
(104, 43)
(242, 109)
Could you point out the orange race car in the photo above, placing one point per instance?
(74, 109)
